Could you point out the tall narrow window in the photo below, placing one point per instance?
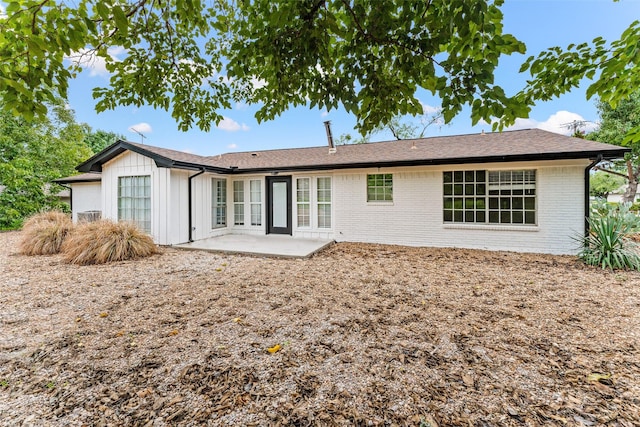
(303, 200)
(324, 202)
(255, 199)
(218, 203)
(238, 202)
(134, 200)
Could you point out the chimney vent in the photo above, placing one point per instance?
(332, 147)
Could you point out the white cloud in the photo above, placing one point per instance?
(141, 127)
(241, 105)
(324, 114)
(258, 83)
(232, 146)
(559, 122)
(3, 12)
(96, 65)
(230, 125)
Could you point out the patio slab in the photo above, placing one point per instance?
(272, 245)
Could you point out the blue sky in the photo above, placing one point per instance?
(538, 23)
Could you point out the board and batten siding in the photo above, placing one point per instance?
(87, 196)
(415, 217)
(166, 221)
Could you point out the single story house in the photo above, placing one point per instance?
(616, 195)
(524, 190)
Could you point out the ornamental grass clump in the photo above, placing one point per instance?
(44, 233)
(609, 243)
(105, 241)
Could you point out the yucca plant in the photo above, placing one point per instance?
(44, 233)
(105, 241)
(609, 243)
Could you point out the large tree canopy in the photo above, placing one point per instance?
(195, 58)
(32, 154)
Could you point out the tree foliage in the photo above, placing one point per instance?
(32, 154)
(616, 124)
(195, 58)
(602, 184)
(97, 140)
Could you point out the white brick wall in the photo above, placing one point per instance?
(415, 216)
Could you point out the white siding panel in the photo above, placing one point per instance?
(87, 196)
(415, 216)
(178, 208)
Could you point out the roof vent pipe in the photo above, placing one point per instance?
(327, 126)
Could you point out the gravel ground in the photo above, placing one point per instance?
(359, 335)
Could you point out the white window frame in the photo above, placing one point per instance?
(219, 205)
(249, 203)
(140, 216)
(313, 203)
(475, 202)
(256, 203)
(308, 203)
(239, 219)
(386, 191)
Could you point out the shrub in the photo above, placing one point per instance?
(609, 243)
(44, 233)
(104, 241)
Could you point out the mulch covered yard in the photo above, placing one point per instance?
(367, 335)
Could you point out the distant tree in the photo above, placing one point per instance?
(99, 139)
(615, 126)
(32, 154)
(602, 184)
(399, 128)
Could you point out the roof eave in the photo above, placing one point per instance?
(591, 155)
(94, 164)
(74, 181)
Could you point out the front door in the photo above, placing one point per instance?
(278, 205)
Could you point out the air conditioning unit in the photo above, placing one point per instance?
(89, 216)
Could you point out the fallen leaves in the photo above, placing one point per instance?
(383, 335)
(276, 348)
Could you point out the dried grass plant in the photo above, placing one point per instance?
(45, 232)
(106, 241)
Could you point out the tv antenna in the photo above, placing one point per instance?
(575, 126)
(142, 137)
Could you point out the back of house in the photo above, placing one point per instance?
(524, 190)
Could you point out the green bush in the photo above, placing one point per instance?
(608, 243)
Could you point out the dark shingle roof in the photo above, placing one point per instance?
(521, 145)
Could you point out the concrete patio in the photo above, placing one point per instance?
(272, 245)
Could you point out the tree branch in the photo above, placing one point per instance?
(612, 172)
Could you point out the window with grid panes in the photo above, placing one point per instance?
(303, 201)
(380, 187)
(490, 197)
(134, 200)
(238, 202)
(218, 203)
(324, 202)
(255, 200)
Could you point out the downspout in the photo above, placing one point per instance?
(587, 198)
(191, 205)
